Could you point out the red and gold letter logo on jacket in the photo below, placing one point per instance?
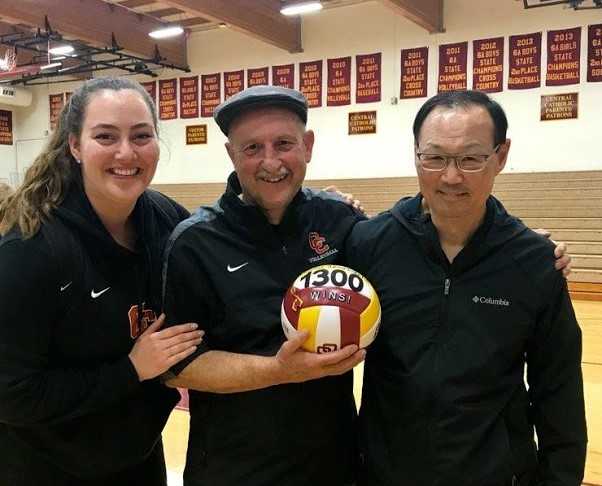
(318, 243)
(140, 321)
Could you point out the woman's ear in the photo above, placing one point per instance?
(74, 147)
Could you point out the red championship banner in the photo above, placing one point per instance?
(488, 65)
(284, 76)
(151, 89)
(234, 82)
(168, 103)
(210, 93)
(310, 82)
(564, 55)
(414, 72)
(368, 86)
(257, 77)
(524, 61)
(338, 91)
(189, 97)
(56, 102)
(452, 66)
(594, 53)
(6, 127)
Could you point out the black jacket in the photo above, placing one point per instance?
(444, 401)
(228, 269)
(68, 391)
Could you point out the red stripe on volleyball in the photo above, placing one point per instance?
(350, 327)
(293, 304)
(337, 296)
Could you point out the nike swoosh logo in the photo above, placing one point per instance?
(233, 269)
(95, 295)
(65, 287)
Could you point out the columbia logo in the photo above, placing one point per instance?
(490, 301)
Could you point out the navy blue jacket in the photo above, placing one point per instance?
(444, 400)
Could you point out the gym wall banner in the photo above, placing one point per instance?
(564, 57)
(310, 82)
(594, 53)
(257, 76)
(210, 93)
(338, 90)
(6, 127)
(488, 65)
(368, 78)
(284, 75)
(524, 61)
(151, 89)
(168, 102)
(234, 82)
(414, 73)
(452, 66)
(56, 102)
(189, 97)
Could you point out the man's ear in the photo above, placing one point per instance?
(230, 151)
(308, 142)
(502, 155)
(74, 147)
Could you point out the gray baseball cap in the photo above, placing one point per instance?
(259, 97)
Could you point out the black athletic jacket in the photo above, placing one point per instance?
(444, 402)
(228, 269)
(68, 391)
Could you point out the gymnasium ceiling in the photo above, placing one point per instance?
(106, 24)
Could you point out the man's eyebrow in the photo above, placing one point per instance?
(466, 147)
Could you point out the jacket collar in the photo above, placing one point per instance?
(77, 212)
(250, 217)
(498, 228)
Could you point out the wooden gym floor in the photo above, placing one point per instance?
(589, 315)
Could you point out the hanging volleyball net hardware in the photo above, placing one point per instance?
(42, 67)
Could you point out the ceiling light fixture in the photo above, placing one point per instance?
(61, 50)
(165, 32)
(51, 65)
(300, 8)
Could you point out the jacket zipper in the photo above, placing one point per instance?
(445, 301)
(432, 432)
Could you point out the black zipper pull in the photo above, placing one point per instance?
(284, 250)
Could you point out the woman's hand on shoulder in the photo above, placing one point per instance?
(158, 350)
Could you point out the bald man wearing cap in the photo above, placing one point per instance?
(263, 411)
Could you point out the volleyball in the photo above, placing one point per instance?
(335, 304)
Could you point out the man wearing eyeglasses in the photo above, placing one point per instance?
(469, 298)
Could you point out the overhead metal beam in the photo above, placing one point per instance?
(23, 57)
(136, 3)
(426, 13)
(164, 12)
(192, 22)
(95, 21)
(262, 21)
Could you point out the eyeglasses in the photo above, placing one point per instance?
(464, 163)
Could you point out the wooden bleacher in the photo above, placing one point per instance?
(569, 204)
